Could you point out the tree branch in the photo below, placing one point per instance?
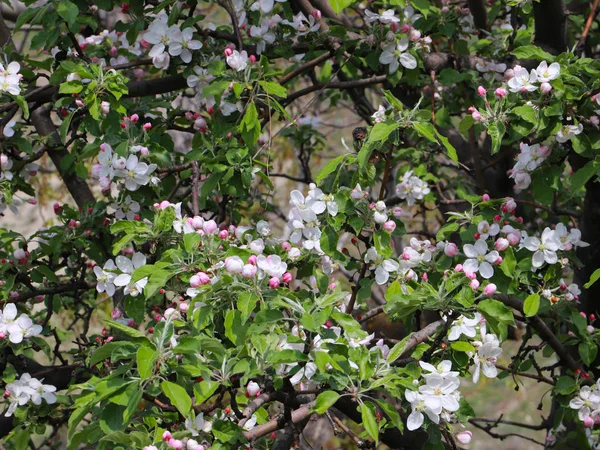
(77, 187)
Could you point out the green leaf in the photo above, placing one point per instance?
(64, 127)
(246, 303)
(526, 113)
(273, 88)
(448, 146)
(250, 126)
(531, 305)
(330, 168)
(131, 332)
(23, 105)
(156, 281)
(462, 346)
(532, 52)
(178, 396)
(369, 420)
(393, 415)
(145, 358)
(379, 133)
(339, 5)
(565, 385)
(496, 131)
(325, 400)
(191, 241)
(582, 176)
(398, 349)
(106, 350)
(595, 276)
(588, 351)
(68, 11)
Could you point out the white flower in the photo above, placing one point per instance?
(128, 209)
(523, 80)
(199, 78)
(411, 188)
(383, 268)
(531, 156)
(128, 266)
(464, 325)
(442, 388)
(271, 265)
(161, 61)
(28, 389)
(309, 208)
(430, 405)
(183, 43)
(22, 328)
(395, 54)
(545, 249)
(5, 166)
(486, 356)
(356, 342)
(386, 17)
(264, 36)
(136, 173)
(106, 277)
(305, 373)
(357, 193)
(161, 36)
(567, 132)
(316, 197)
(479, 259)
(10, 84)
(197, 425)
(8, 128)
(586, 402)
(379, 115)
(237, 60)
(443, 369)
(547, 73)
(486, 230)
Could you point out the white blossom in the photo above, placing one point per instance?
(545, 248)
(479, 259)
(395, 54)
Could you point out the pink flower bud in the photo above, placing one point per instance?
(464, 437)
(397, 212)
(252, 59)
(451, 250)
(2, 334)
(501, 244)
(248, 271)
(471, 275)
(287, 277)
(389, 226)
(134, 118)
(405, 28)
(184, 306)
(545, 87)
(200, 124)
(252, 260)
(588, 422)
(501, 93)
(166, 436)
(490, 289)
(285, 245)
(458, 268)
(474, 284)
(223, 234)
(425, 277)
(485, 197)
(228, 52)
(317, 14)
(33, 201)
(498, 260)
(570, 333)
(481, 91)
(147, 126)
(332, 286)
(394, 26)
(274, 283)
(582, 314)
(513, 239)
(210, 227)
(476, 115)
(116, 314)
(175, 444)
(253, 389)
(79, 103)
(113, 51)
(510, 73)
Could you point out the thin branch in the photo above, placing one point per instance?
(588, 24)
(195, 189)
(420, 336)
(527, 375)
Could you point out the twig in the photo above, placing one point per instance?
(527, 375)
(420, 336)
(196, 175)
(358, 441)
(588, 24)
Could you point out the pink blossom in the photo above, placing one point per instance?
(184, 306)
(166, 436)
(501, 244)
(501, 93)
(458, 268)
(147, 126)
(223, 234)
(474, 284)
(228, 52)
(389, 226)
(134, 118)
(470, 275)
(545, 87)
(274, 283)
(248, 271)
(451, 250)
(285, 246)
(464, 437)
(317, 14)
(481, 91)
(485, 197)
(287, 277)
(210, 227)
(490, 289)
(116, 314)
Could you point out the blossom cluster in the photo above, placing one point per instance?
(131, 170)
(109, 277)
(529, 159)
(16, 328)
(10, 78)
(437, 398)
(28, 389)
(587, 404)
